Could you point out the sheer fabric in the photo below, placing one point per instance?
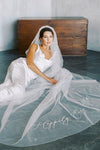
(33, 112)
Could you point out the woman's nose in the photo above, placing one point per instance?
(48, 39)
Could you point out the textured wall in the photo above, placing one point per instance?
(86, 8)
(11, 11)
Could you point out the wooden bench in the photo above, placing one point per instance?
(71, 32)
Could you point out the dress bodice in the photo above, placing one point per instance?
(41, 62)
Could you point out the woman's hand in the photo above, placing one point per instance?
(52, 81)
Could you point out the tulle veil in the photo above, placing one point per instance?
(57, 56)
(50, 112)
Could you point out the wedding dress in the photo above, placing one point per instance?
(33, 112)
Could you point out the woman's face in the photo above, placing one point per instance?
(47, 38)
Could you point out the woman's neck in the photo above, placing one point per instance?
(45, 47)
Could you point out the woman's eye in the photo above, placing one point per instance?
(48, 37)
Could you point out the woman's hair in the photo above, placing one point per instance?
(44, 30)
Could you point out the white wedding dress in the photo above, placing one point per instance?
(19, 76)
(33, 112)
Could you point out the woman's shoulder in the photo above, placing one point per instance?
(35, 46)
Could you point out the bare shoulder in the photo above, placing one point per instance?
(34, 47)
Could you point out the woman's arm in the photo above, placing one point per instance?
(33, 67)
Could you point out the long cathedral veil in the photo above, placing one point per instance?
(47, 112)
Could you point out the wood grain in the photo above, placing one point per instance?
(71, 33)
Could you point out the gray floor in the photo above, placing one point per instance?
(86, 140)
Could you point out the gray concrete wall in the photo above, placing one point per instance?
(11, 11)
(89, 9)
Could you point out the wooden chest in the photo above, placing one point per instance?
(71, 32)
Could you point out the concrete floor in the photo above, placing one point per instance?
(85, 65)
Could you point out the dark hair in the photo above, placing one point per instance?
(44, 30)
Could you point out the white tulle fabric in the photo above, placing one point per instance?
(33, 112)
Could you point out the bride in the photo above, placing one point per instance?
(40, 101)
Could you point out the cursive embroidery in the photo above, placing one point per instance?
(52, 124)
